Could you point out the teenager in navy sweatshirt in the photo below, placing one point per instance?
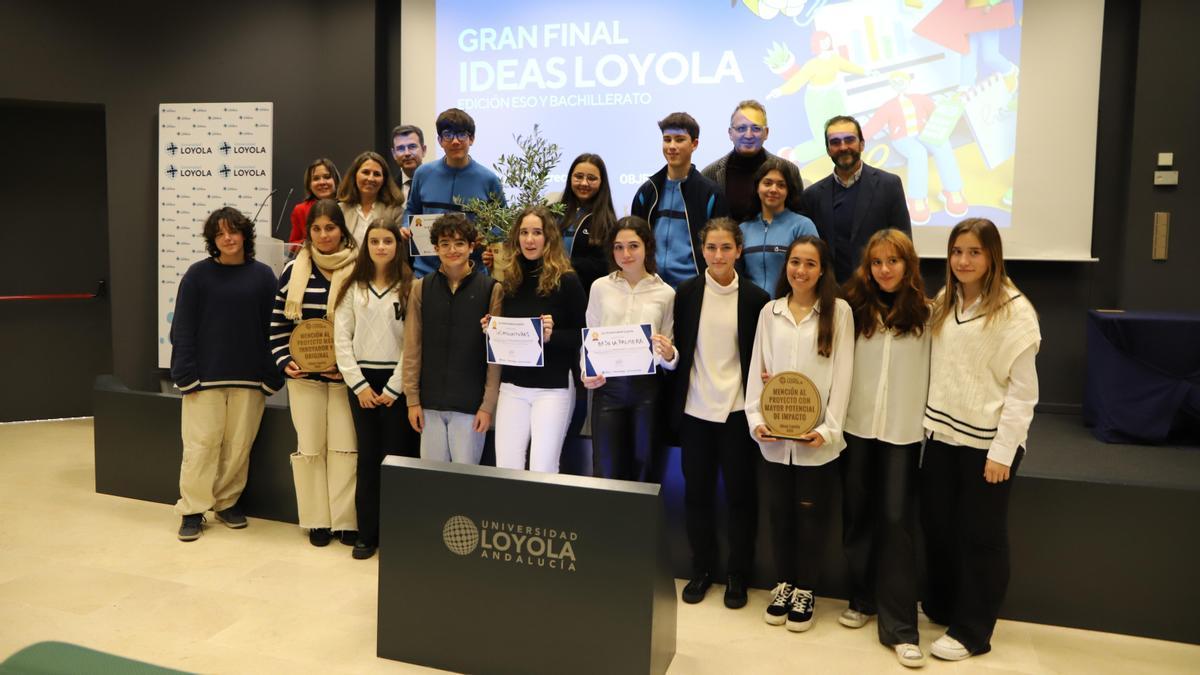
(221, 363)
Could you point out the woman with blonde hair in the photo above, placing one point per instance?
(538, 282)
(982, 389)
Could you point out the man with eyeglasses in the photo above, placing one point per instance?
(734, 172)
(855, 201)
(445, 185)
(408, 150)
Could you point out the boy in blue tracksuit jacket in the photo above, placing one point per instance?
(678, 201)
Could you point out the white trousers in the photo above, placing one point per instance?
(515, 431)
(325, 464)
(218, 427)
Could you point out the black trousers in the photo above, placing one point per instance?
(705, 448)
(623, 429)
(965, 519)
(879, 495)
(798, 501)
(381, 431)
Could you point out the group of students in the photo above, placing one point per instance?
(896, 372)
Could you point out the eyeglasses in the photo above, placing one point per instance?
(456, 245)
(450, 135)
(585, 178)
(845, 139)
(741, 129)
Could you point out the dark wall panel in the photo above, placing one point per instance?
(56, 239)
(314, 60)
(1166, 105)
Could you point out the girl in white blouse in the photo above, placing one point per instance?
(883, 440)
(808, 330)
(623, 409)
(982, 390)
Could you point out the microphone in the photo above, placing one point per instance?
(282, 210)
(261, 205)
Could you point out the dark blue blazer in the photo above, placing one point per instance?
(880, 206)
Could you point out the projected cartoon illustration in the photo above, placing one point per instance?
(933, 83)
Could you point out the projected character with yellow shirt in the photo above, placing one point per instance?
(821, 81)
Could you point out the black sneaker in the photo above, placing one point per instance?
(696, 588)
(189, 529)
(363, 549)
(735, 592)
(800, 616)
(777, 611)
(320, 536)
(348, 537)
(232, 517)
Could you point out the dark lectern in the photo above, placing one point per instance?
(486, 570)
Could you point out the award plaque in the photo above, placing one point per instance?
(791, 405)
(311, 345)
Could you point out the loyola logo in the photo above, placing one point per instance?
(460, 535)
(547, 548)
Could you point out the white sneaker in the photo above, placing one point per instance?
(910, 655)
(947, 648)
(852, 618)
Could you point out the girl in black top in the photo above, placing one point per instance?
(539, 282)
(588, 218)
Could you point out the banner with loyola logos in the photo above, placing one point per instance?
(209, 155)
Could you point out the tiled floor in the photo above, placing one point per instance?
(108, 573)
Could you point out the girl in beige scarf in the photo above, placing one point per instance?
(325, 463)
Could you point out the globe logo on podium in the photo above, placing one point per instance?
(460, 535)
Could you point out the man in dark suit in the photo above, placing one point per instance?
(855, 201)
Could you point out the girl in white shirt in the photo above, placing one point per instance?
(982, 390)
(369, 340)
(808, 330)
(883, 440)
(623, 409)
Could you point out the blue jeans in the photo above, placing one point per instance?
(448, 437)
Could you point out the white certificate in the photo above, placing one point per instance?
(617, 351)
(515, 342)
(421, 242)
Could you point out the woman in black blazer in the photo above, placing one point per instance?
(706, 409)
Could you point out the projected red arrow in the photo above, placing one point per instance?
(951, 22)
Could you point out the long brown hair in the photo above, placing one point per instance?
(997, 287)
(555, 262)
(827, 291)
(910, 309)
(389, 192)
(399, 271)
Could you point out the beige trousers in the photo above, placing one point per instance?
(325, 464)
(218, 427)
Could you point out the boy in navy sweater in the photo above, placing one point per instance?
(221, 363)
(449, 183)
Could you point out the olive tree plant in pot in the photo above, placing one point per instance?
(524, 175)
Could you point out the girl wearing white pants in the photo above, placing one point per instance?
(325, 462)
(538, 282)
